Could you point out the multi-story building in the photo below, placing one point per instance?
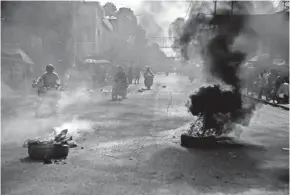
(92, 30)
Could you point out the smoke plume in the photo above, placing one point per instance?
(217, 106)
(156, 16)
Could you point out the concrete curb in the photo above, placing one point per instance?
(266, 102)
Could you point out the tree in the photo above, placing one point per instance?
(110, 9)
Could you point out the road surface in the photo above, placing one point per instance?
(133, 147)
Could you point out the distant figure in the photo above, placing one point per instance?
(283, 92)
(120, 76)
(130, 75)
(278, 82)
(148, 72)
(120, 79)
(137, 73)
(261, 85)
(271, 82)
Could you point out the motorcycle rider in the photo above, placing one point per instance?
(148, 72)
(121, 77)
(47, 79)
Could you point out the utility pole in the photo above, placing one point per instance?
(232, 7)
(215, 3)
(74, 33)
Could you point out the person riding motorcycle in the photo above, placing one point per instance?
(49, 78)
(148, 72)
(120, 78)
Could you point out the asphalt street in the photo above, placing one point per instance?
(133, 147)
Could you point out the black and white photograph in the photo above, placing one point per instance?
(145, 97)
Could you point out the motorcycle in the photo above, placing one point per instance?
(148, 81)
(119, 89)
(49, 97)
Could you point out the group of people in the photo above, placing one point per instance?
(274, 87)
(131, 77)
(51, 78)
(134, 76)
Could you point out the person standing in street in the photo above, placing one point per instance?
(261, 85)
(130, 75)
(137, 75)
(283, 92)
(271, 82)
(278, 82)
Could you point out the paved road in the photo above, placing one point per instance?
(132, 147)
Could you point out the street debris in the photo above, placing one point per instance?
(141, 90)
(47, 161)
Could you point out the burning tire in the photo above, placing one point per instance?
(47, 151)
(190, 141)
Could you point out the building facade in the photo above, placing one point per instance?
(92, 30)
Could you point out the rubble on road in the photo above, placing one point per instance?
(141, 90)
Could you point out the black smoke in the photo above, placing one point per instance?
(219, 107)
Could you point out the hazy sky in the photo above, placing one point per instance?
(169, 11)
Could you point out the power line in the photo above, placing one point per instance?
(189, 7)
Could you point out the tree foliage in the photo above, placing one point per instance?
(131, 45)
(110, 9)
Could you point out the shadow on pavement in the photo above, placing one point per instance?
(29, 160)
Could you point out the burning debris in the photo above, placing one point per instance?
(54, 138)
(56, 146)
(217, 109)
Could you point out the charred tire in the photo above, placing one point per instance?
(47, 151)
(189, 141)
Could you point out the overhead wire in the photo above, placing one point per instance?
(188, 9)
